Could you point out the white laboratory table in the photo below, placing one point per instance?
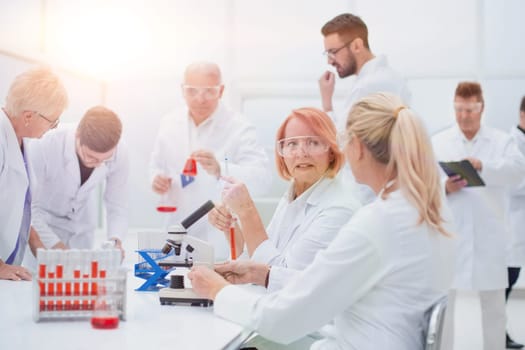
(148, 326)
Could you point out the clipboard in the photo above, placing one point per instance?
(465, 169)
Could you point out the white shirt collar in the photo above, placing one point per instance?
(372, 65)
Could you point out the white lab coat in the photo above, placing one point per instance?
(14, 182)
(224, 133)
(479, 211)
(302, 227)
(376, 280)
(516, 212)
(62, 210)
(375, 76)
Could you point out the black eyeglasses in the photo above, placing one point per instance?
(332, 52)
(52, 123)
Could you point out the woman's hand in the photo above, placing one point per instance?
(14, 272)
(206, 282)
(221, 218)
(161, 184)
(235, 196)
(244, 271)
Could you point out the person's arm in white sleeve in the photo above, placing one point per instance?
(316, 237)
(116, 195)
(507, 170)
(38, 154)
(315, 296)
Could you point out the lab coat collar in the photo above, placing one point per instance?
(14, 153)
(212, 119)
(311, 195)
(373, 65)
(482, 134)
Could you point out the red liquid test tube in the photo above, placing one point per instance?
(94, 276)
(85, 291)
(233, 250)
(42, 285)
(50, 291)
(76, 289)
(60, 285)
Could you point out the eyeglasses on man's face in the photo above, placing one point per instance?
(468, 108)
(330, 53)
(90, 157)
(292, 146)
(52, 123)
(207, 92)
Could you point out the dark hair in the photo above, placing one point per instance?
(522, 107)
(99, 129)
(468, 89)
(348, 26)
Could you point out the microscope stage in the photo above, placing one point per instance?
(182, 297)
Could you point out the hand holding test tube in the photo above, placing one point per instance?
(233, 250)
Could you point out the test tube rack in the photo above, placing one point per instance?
(147, 268)
(63, 290)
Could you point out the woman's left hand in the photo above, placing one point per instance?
(206, 282)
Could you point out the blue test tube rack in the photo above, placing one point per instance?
(150, 270)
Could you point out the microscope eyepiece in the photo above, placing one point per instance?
(197, 214)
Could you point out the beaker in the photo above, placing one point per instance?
(106, 308)
(190, 168)
(166, 202)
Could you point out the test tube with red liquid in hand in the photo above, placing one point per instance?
(167, 202)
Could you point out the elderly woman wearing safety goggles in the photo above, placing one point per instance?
(312, 210)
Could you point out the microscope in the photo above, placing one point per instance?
(188, 251)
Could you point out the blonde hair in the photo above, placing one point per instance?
(397, 138)
(38, 89)
(322, 126)
(99, 129)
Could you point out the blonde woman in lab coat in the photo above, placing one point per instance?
(34, 103)
(312, 210)
(70, 164)
(385, 268)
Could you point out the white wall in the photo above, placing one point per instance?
(270, 52)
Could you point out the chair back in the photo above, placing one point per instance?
(435, 325)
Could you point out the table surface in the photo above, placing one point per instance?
(149, 325)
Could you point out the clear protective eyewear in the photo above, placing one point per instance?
(89, 158)
(291, 146)
(207, 92)
(468, 107)
(52, 123)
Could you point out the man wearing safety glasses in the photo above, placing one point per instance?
(481, 263)
(348, 51)
(219, 141)
(70, 164)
